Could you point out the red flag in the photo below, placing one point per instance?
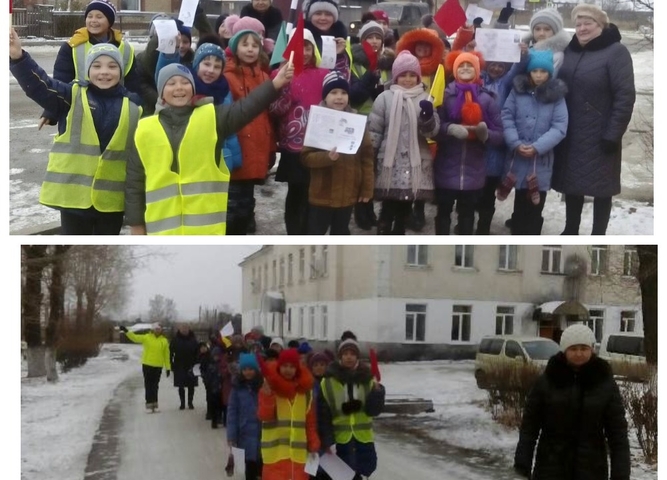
(375, 369)
(296, 45)
(371, 54)
(450, 16)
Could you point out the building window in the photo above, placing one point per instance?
(464, 256)
(415, 322)
(551, 258)
(311, 322)
(596, 323)
(302, 263)
(599, 260)
(289, 320)
(630, 261)
(290, 268)
(627, 321)
(273, 322)
(282, 271)
(313, 266)
(253, 283)
(507, 257)
(302, 311)
(461, 323)
(504, 320)
(274, 274)
(417, 255)
(325, 259)
(324, 312)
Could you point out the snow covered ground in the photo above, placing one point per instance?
(458, 441)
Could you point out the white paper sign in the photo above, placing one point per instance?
(499, 45)
(519, 4)
(336, 468)
(328, 52)
(187, 12)
(495, 4)
(227, 330)
(312, 464)
(328, 128)
(196, 370)
(473, 11)
(167, 32)
(239, 460)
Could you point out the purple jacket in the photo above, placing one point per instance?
(460, 164)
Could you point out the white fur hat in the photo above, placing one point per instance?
(591, 11)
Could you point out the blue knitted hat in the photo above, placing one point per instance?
(206, 50)
(541, 59)
(248, 360)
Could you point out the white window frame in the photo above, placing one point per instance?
(290, 268)
(302, 314)
(311, 321)
(325, 260)
(459, 314)
(596, 322)
(466, 255)
(509, 252)
(313, 262)
(274, 273)
(599, 260)
(505, 314)
(289, 320)
(281, 277)
(415, 312)
(417, 255)
(630, 261)
(551, 251)
(302, 264)
(628, 321)
(324, 315)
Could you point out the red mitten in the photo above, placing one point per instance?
(533, 189)
(229, 469)
(505, 186)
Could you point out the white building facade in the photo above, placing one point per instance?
(438, 301)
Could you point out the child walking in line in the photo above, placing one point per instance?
(350, 398)
(243, 426)
(404, 170)
(244, 73)
(337, 181)
(534, 121)
(318, 364)
(186, 193)
(291, 111)
(469, 120)
(85, 176)
(288, 416)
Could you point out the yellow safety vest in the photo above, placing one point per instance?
(78, 174)
(285, 437)
(358, 425)
(194, 200)
(366, 107)
(80, 52)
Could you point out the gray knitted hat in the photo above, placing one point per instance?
(349, 344)
(104, 49)
(549, 16)
(310, 7)
(577, 335)
(371, 28)
(173, 70)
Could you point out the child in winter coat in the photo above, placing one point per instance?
(321, 18)
(291, 112)
(349, 400)
(212, 377)
(85, 176)
(318, 364)
(243, 427)
(404, 170)
(287, 397)
(258, 142)
(186, 194)
(207, 65)
(469, 120)
(424, 44)
(534, 121)
(546, 33)
(337, 181)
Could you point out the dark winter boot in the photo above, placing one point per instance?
(383, 228)
(181, 395)
(399, 226)
(417, 218)
(251, 226)
(191, 396)
(484, 222)
(466, 224)
(361, 216)
(372, 218)
(442, 225)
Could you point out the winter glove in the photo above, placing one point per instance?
(609, 146)
(168, 373)
(457, 131)
(351, 406)
(506, 13)
(123, 328)
(482, 132)
(426, 110)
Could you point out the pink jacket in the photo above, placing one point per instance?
(292, 107)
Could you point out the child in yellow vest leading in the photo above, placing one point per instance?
(156, 356)
(177, 183)
(288, 416)
(349, 398)
(85, 176)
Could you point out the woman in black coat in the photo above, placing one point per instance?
(598, 72)
(184, 350)
(576, 411)
(270, 16)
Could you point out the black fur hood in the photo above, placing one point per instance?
(549, 92)
(361, 375)
(608, 37)
(593, 373)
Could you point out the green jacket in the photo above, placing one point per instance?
(156, 349)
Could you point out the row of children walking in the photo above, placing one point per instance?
(191, 168)
(291, 403)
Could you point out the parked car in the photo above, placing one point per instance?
(623, 347)
(403, 16)
(496, 351)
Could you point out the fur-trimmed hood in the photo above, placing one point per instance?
(608, 37)
(409, 40)
(302, 383)
(360, 375)
(385, 59)
(562, 375)
(549, 92)
(557, 43)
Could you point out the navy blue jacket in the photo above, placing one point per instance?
(243, 426)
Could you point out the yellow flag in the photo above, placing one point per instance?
(438, 87)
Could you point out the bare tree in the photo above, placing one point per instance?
(648, 282)
(162, 309)
(56, 308)
(34, 263)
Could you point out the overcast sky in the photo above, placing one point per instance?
(192, 275)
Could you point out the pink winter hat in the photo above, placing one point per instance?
(229, 23)
(406, 62)
(248, 23)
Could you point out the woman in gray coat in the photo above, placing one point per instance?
(598, 72)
